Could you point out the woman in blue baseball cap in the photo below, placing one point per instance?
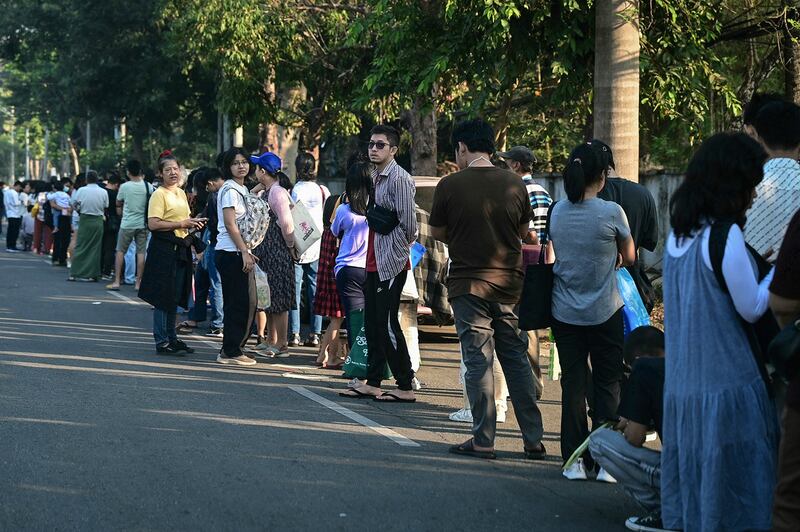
(276, 255)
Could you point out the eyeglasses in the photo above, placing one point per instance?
(240, 163)
(380, 145)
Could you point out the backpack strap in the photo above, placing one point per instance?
(546, 240)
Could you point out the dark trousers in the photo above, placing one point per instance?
(577, 344)
(385, 340)
(786, 510)
(109, 253)
(13, 232)
(61, 240)
(239, 301)
(202, 285)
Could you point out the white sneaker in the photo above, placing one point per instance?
(241, 360)
(604, 476)
(501, 412)
(464, 415)
(416, 384)
(576, 471)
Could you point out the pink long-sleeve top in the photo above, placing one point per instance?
(279, 202)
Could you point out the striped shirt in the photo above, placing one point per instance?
(540, 203)
(778, 198)
(394, 190)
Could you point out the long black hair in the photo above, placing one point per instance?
(358, 187)
(227, 160)
(305, 164)
(719, 183)
(585, 167)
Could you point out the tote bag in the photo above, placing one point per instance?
(535, 307)
(306, 230)
(355, 365)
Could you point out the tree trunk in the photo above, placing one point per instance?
(503, 117)
(791, 56)
(422, 123)
(74, 158)
(616, 82)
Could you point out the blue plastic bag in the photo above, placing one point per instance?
(416, 254)
(634, 313)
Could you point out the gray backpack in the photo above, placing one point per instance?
(253, 224)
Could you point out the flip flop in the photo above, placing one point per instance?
(468, 449)
(112, 288)
(355, 395)
(395, 399)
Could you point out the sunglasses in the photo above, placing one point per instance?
(380, 145)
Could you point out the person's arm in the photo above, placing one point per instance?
(625, 246)
(785, 310)
(279, 202)
(750, 298)
(635, 433)
(120, 205)
(406, 209)
(437, 221)
(157, 224)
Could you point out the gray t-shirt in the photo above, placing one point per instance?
(585, 237)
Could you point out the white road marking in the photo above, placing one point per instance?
(126, 298)
(399, 439)
(305, 377)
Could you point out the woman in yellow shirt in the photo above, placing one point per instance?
(167, 278)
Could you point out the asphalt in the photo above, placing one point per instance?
(99, 433)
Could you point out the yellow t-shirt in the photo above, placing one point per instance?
(170, 206)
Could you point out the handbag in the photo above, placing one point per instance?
(380, 219)
(306, 231)
(536, 303)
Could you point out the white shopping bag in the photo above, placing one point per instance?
(306, 230)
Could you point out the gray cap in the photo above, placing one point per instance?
(520, 154)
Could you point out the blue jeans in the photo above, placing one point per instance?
(164, 326)
(215, 293)
(309, 271)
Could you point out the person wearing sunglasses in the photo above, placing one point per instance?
(392, 229)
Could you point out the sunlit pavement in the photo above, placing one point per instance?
(99, 433)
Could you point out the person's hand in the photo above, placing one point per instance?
(294, 253)
(193, 224)
(248, 262)
(618, 265)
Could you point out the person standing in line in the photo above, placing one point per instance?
(276, 255)
(591, 239)
(2, 204)
(167, 277)
(62, 219)
(720, 430)
(313, 196)
(482, 213)
(131, 205)
(521, 160)
(235, 261)
(112, 224)
(90, 201)
(27, 229)
(212, 181)
(387, 267)
(43, 229)
(14, 210)
(80, 182)
(777, 128)
(784, 300)
(640, 208)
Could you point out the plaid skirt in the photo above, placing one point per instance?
(326, 301)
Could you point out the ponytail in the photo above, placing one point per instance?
(584, 168)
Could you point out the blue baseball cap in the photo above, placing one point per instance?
(268, 161)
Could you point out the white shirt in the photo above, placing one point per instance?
(778, 198)
(12, 203)
(230, 195)
(750, 298)
(91, 199)
(313, 196)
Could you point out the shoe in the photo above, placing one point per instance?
(241, 360)
(648, 523)
(294, 340)
(216, 332)
(605, 476)
(464, 416)
(108, 277)
(312, 340)
(180, 345)
(168, 349)
(281, 352)
(535, 454)
(12, 250)
(501, 413)
(416, 384)
(576, 471)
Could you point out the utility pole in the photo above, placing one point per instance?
(88, 143)
(27, 154)
(43, 175)
(13, 148)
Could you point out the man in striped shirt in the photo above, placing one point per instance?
(387, 268)
(777, 127)
(520, 160)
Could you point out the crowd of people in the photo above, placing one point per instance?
(705, 386)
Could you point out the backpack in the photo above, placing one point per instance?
(253, 224)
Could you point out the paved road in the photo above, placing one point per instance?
(99, 433)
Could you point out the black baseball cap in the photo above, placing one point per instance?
(520, 154)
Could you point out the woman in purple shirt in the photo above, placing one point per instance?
(350, 226)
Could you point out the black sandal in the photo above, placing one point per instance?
(468, 449)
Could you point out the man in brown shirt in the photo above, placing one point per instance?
(482, 214)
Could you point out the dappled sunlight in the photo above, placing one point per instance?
(51, 489)
(44, 421)
(69, 324)
(82, 299)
